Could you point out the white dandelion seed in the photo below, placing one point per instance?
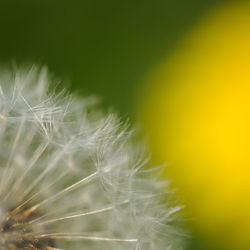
(70, 178)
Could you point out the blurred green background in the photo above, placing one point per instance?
(104, 48)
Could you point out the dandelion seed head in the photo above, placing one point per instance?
(70, 177)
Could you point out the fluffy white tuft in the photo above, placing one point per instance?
(71, 178)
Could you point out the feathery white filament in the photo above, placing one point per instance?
(71, 177)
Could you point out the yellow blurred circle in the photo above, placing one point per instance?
(197, 116)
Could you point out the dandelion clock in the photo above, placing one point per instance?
(71, 177)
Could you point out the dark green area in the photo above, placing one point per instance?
(103, 47)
